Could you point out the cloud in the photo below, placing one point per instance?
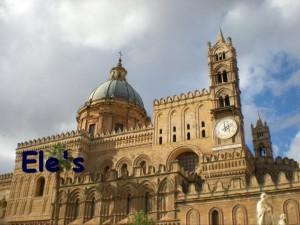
(294, 149)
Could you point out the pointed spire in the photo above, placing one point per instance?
(259, 120)
(220, 37)
(120, 58)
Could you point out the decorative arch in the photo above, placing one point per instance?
(216, 216)
(239, 215)
(189, 150)
(142, 161)
(90, 204)
(120, 166)
(291, 209)
(73, 206)
(193, 217)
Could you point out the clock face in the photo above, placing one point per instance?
(226, 128)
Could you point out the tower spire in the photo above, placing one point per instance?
(220, 35)
(120, 58)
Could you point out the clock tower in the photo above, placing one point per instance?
(225, 92)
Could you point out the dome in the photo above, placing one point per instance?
(117, 88)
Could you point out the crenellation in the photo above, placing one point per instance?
(182, 98)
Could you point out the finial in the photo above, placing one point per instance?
(220, 35)
(120, 58)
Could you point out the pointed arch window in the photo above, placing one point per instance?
(203, 133)
(227, 101)
(221, 102)
(224, 76)
(219, 78)
(188, 126)
(147, 202)
(202, 124)
(174, 129)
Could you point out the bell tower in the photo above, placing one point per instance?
(261, 139)
(225, 93)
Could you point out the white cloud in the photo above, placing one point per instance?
(294, 150)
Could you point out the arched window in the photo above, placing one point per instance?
(160, 140)
(40, 186)
(174, 138)
(143, 166)
(221, 102)
(227, 100)
(124, 170)
(215, 218)
(188, 126)
(90, 207)
(188, 136)
(128, 205)
(219, 78)
(160, 131)
(72, 210)
(203, 133)
(162, 200)
(223, 55)
(224, 76)
(174, 129)
(202, 124)
(188, 160)
(216, 57)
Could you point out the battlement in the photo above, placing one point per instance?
(52, 138)
(127, 137)
(182, 97)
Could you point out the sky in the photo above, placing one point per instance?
(54, 53)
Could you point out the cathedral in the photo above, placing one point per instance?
(187, 164)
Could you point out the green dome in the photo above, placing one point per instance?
(119, 90)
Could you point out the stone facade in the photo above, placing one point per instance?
(190, 166)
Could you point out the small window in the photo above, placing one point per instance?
(216, 57)
(160, 140)
(174, 138)
(119, 126)
(92, 129)
(262, 151)
(160, 131)
(223, 55)
(203, 133)
(227, 100)
(202, 124)
(40, 186)
(188, 136)
(174, 129)
(215, 218)
(224, 75)
(188, 127)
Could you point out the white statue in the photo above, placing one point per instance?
(282, 220)
(264, 211)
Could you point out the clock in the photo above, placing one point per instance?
(226, 128)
